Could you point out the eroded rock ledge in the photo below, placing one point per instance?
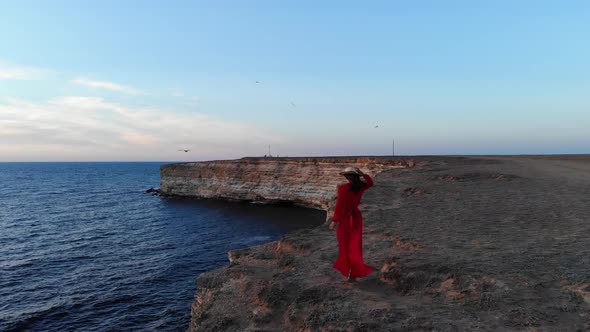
(308, 182)
(460, 244)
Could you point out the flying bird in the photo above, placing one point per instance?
(376, 126)
(185, 150)
(293, 104)
(257, 81)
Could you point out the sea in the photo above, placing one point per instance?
(84, 248)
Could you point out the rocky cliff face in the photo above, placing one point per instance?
(459, 244)
(309, 182)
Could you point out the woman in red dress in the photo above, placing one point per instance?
(350, 225)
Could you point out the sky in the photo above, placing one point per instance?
(139, 80)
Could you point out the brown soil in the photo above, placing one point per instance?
(460, 244)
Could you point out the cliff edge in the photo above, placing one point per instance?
(308, 182)
(460, 244)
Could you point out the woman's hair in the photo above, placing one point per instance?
(356, 184)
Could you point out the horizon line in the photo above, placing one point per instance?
(263, 157)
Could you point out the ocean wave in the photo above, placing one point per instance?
(25, 320)
(114, 300)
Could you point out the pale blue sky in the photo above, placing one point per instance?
(137, 80)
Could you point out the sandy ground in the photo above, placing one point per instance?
(486, 243)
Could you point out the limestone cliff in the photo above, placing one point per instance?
(309, 182)
(460, 244)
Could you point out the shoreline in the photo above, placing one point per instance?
(305, 182)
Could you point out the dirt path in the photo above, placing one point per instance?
(491, 244)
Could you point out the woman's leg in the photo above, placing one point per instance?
(355, 253)
(343, 234)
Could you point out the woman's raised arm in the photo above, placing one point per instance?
(368, 180)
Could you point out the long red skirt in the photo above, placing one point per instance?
(350, 248)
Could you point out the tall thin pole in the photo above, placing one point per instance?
(269, 150)
(393, 148)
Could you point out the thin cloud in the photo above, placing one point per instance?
(176, 92)
(92, 128)
(184, 99)
(13, 72)
(191, 102)
(107, 86)
(138, 138)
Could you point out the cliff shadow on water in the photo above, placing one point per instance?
(282, 216)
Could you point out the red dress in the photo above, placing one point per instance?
(350, 231)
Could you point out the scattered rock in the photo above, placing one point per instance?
(406, 246)
(286, 260)
(582, 290)
(449, 178)
(390, 271)
(412, 191)
(233, 257)
(450, 289)
(153, 191)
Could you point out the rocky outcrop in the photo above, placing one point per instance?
(309, 182)
(153, 191)
(460, 244)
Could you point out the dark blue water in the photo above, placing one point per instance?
(83, 248)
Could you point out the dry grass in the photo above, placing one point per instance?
(460, 244)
